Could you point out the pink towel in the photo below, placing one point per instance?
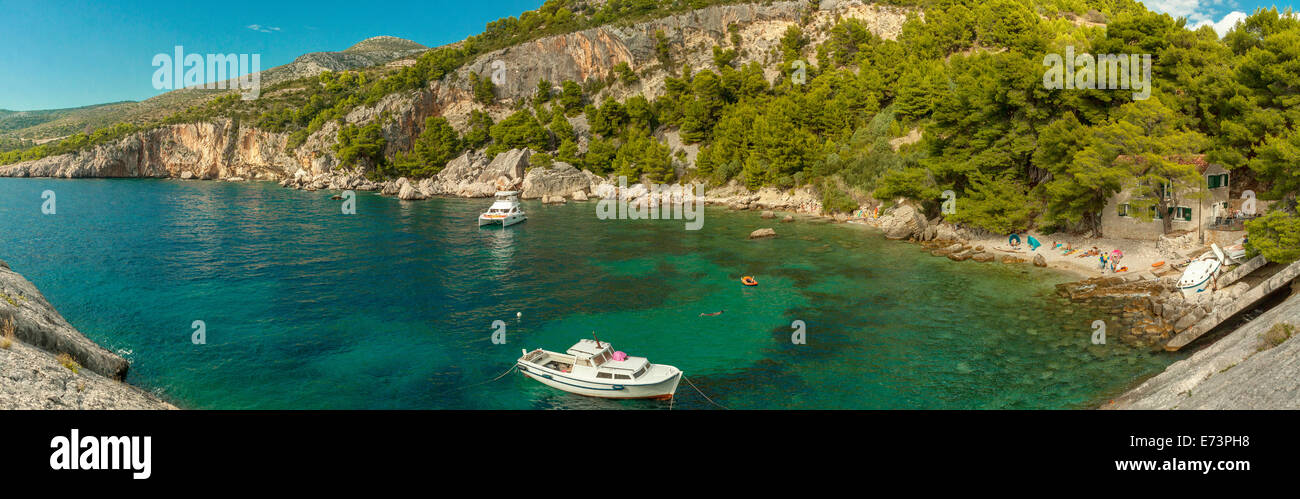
(619, 356)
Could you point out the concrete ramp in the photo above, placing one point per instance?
(1221, 312)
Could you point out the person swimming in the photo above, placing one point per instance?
(713, 314)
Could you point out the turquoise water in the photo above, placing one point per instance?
(392, 308)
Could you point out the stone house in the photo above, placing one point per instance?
(1189, 214)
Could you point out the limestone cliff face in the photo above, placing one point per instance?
(692, 35)
(222, 149)
(211, 150)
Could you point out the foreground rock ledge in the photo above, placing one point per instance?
(30, 375)
(1236, 372)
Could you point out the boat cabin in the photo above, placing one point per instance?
(590, 359)
(507, 202)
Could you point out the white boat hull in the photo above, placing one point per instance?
(1198, 277)
(663, 389)
(504, 221)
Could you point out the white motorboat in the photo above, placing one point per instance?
(505, 211)
(594, 369)
(1200, 273)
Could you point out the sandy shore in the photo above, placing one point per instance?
(1138, 255)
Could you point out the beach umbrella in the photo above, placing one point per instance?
(1116, 253)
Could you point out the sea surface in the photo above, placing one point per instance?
(304, 307)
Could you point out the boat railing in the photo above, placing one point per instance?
(534, 355)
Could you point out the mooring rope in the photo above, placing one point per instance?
(697, 390)
(502, 375)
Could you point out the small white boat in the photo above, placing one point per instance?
(504, 211)
(594, 369)
(1200, 273)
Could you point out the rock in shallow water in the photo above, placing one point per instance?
(410, 193)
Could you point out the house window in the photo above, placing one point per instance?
(1124, 210)
(1181, 213)
(1217, 181)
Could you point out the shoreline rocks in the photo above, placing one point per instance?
(1242, 370)
(559, 180)
(36, 377)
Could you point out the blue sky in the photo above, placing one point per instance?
(1222, 14)
(60, 53)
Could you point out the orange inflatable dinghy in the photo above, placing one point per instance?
(1160, 263)
(748, 281)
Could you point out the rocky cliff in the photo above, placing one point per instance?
(48, 364)
(221, 149)
(213, 150)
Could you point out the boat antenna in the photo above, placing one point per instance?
(593, 335)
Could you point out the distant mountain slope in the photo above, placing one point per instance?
(15, 120)
(55, 123)
(369, 52)
(385, 44)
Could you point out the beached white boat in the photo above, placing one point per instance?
(594, 369)
(1200, 273)
(505, 211)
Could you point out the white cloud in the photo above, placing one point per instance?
(1224, 25)
(1193, 10)
(263, 29)
(1201, 12)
